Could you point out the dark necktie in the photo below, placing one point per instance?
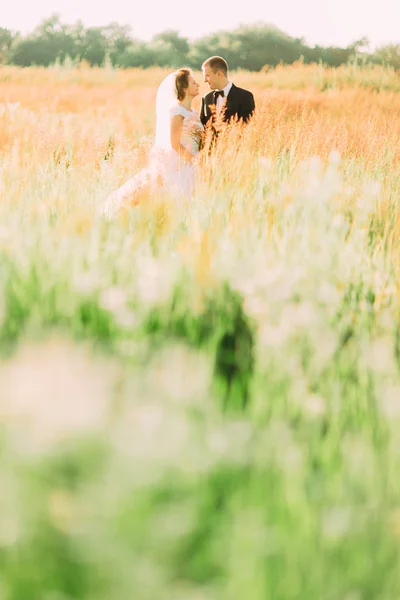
(218, 93)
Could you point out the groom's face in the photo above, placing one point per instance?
(211, 78)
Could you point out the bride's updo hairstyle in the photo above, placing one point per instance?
(182, 82)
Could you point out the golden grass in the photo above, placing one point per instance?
(70, 136)
(79, 111)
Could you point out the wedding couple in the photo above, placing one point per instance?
(179, 130)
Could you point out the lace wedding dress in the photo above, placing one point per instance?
(166, 169)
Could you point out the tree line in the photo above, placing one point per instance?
(251, 47)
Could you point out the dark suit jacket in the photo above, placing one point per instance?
(239, 102)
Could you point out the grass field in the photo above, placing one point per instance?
(201, 399)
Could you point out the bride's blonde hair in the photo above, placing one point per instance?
(182, 82)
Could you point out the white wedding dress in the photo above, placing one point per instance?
(166, 170)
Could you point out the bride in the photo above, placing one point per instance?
(178, 135)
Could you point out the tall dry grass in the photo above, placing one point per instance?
(200, 399)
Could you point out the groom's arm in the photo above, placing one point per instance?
(206, 113)
(248, 107)
(203, 117)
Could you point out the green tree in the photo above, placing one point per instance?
(138, 54)
(170, 48)
(388, 55)
(7, 39)
(50, 41)
(119, 39)
(94, 46)
(249, 47)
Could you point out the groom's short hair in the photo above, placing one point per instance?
(217, 63)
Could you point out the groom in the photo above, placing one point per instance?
(225, 101)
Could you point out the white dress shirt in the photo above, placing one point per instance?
(220, 99)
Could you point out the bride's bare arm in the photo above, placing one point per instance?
(176, 131)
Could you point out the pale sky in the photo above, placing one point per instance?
(324, 22)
